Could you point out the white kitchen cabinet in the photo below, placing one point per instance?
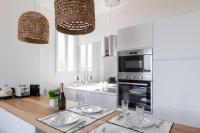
(106, 101)
(87, 96)
(70, 94)
(103, 99)
(178, 80)
(12, 124)
(176, 69)
(176, 91)
(178, 114)
(135, 37)
(177, 37)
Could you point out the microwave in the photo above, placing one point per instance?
(132, 64)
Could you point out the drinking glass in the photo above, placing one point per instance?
(125, 106)
(139, 113)
(80, 100)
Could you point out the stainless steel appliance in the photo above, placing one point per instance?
(138, 92)
(133, 64)
(22, 91)
(135, 78)
(6, 92)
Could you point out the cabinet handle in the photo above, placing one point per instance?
(125, 83)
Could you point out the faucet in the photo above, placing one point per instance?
(85, 78)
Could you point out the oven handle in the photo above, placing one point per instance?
(125, 83)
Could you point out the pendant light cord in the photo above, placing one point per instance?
(110, 20)
(34, 5)
(104, 32)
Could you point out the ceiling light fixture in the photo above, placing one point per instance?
(33, 27)
(74, 17)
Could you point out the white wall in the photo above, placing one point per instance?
(20, 62)
(142, 11)
(109, 66)
(104, 67)
(97, 63)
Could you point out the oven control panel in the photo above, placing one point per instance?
(134, 76)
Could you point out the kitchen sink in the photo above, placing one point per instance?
(97, 87)
(111, 90)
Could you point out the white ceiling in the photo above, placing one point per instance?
(99, 4)
(101, 8)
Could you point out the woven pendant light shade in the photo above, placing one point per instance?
(74, 17)
(33, 27)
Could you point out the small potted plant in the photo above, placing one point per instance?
(53, 97)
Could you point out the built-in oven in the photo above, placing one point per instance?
(138, 92)
(135, 78)
(134, 63)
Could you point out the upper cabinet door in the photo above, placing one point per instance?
(135, 37)
(177, 37)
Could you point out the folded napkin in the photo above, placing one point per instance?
(165, 127)
(108, 127)
(67, 128)
(100, 115)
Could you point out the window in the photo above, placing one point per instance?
(65, 52)
(89, 58)
(71, 48)
(61, 52)
(86, 57)
(83, 57)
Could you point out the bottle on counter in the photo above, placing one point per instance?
(62, 99)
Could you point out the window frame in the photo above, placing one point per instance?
(66, 54)
(86, 58)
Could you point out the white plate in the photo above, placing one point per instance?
(64, 119)
(146, 122)
(113, 129)
(91, 109)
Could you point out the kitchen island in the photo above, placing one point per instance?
(27, 110)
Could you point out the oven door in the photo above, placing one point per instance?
(135, 63)
(137, 92)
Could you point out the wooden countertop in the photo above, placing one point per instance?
(31, 108)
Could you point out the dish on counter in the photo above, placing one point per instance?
(146, 122)
(64, 119)
(91, 109)
(112, 129)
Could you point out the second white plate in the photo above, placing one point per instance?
(146, 122)
(91, 109)
(64, 119)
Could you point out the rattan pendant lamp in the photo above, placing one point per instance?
(33, 27)
(74, 17)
